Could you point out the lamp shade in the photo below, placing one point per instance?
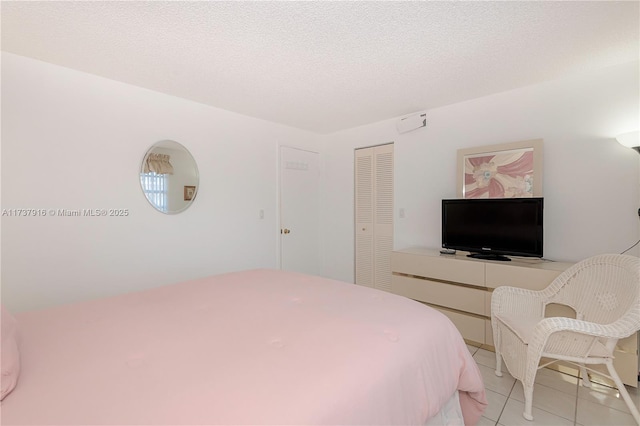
(630, 140)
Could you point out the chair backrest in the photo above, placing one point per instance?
(602, 289)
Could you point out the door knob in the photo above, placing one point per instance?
(285, 231)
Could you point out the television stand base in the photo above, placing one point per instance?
(487, 256)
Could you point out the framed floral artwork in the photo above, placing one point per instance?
(510, 170)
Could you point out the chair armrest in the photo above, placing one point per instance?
(514, 300)
(573, 338)
(567, 338)
(551, 325)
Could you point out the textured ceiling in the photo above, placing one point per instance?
(325, 66)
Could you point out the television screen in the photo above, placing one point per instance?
(493, 228)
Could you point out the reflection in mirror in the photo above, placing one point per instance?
(169, 177)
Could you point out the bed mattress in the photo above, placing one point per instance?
(253, 347)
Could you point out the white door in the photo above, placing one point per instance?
(374, 216)
(299, 210)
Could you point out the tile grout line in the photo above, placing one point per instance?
(575, 410)
(506, 401)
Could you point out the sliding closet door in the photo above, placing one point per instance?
(374, 216)
(364, 216)
(383, 218)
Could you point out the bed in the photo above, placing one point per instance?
(252, 347)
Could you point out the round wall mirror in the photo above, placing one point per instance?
(169, 177)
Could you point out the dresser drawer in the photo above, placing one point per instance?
(517, 276)
(449, 268)
(471, 328)
(488, 333)
(437, 293)
(487, 302)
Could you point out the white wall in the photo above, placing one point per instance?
(71, 140)
(591, 183)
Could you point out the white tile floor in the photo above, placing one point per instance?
(558, 399)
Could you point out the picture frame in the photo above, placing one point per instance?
(508, 170)
(189, 193)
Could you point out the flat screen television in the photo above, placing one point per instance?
(493, 228)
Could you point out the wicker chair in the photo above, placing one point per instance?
(604, 291)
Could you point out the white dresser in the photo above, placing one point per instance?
(461, 287)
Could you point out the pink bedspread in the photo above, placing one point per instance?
(255, 347)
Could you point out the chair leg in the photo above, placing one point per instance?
(585, 377)
(528, 401)
(623, 392)
(498, 363)
(496, 338)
